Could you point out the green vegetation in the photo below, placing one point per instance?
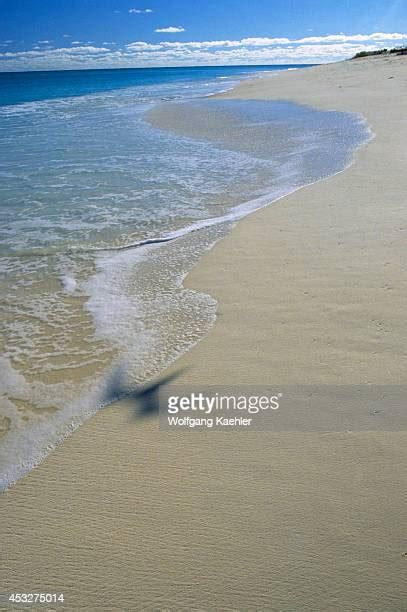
(395, 51)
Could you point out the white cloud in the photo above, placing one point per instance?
(65, 50)
(143, 46)
(140, 11)
(315, 49)
(272, 42)
(376, 36)
(171, 29)
(85, 49)
(43, 42)
(261, 42)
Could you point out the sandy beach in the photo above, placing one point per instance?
(311, 289)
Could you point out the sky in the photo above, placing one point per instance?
(72, 34)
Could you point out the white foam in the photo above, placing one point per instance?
(28, 443)
(69, 284)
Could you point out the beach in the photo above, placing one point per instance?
(311, 290)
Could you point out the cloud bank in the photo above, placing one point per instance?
(261, 50)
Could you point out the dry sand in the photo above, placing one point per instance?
(311, 289)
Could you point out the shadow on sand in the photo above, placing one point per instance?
(143, 400)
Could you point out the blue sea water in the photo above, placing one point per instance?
(18, 87)
(113, 183)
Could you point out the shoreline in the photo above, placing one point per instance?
(355, 134)
(316, 517)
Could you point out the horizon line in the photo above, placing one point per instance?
(161, 67)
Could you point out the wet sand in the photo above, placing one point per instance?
(312, 289)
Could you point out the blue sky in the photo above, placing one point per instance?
(53, 34)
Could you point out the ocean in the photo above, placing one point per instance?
(113, 185)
